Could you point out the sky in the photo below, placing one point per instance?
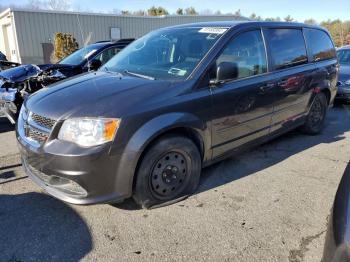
(298, 9)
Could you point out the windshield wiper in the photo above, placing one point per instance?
(139, 75)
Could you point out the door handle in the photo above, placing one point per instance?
(267, 87)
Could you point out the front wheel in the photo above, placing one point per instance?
(169, 171)
(315, 119)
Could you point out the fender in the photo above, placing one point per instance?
(150, 131)
(323, 86)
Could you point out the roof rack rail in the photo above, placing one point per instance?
(102, 41)
(120, 41)
(124, 41)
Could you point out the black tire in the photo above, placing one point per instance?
(169, 172)
(315, 119)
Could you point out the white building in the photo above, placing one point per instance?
(26, 36)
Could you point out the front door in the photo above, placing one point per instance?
(242, 105)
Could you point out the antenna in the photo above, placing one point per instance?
(85, 41)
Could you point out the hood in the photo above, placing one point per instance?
(24, 72)
(95, 94)
(20, 73)
(344, 73)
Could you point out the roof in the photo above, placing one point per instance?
(121, 42)
(230, 24)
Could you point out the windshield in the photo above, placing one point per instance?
(79, 56)
(168, 54)
(344, 56)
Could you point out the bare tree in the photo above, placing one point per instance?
(206, 12)
(289, 19)
(191, 11)
(179, 11)
(35, 4)
(61, 5)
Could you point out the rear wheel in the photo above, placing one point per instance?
(315, 120)
(168, 172)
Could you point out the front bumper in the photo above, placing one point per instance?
(76, 175)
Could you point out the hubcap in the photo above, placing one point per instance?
(169, 174)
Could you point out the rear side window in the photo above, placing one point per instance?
(320, 44)
(287, 47)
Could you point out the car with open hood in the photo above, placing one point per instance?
(174, 101)
(16, 84)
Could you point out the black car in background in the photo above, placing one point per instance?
(343, 93)
(19, 82)
(5, 64)
(172, 102)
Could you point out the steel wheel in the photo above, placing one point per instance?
(316, 113)
(168, 172)
(315, 119)
(168, 175)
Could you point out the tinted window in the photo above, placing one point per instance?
(287, 47)
(80, 55)
(321, 45)
(247, 52)
(107, 54)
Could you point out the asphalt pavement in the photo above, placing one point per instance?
(269, 204)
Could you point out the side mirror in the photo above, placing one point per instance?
(226, 71)
(94, 65)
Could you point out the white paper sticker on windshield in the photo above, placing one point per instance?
(213, 30)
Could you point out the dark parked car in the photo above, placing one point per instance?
(337, 244)
(343, 93)
(5, 64)
(17, 83)
(172, 102)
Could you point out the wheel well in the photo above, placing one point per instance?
(182, 131)
(327, 93)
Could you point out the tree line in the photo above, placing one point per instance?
(340, 30)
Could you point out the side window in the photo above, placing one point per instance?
(246, 53)
(320, 44)
(287, 47)
(107, 54)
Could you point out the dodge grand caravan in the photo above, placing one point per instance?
(172, 102)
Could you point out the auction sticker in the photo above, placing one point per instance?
(213, 30)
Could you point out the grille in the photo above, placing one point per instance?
(36, 135)
(43, 121)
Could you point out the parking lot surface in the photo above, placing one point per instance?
(269, 204)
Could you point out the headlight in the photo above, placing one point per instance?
(347, 82)
(88, 132)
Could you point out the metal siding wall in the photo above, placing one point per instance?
(34, 28)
